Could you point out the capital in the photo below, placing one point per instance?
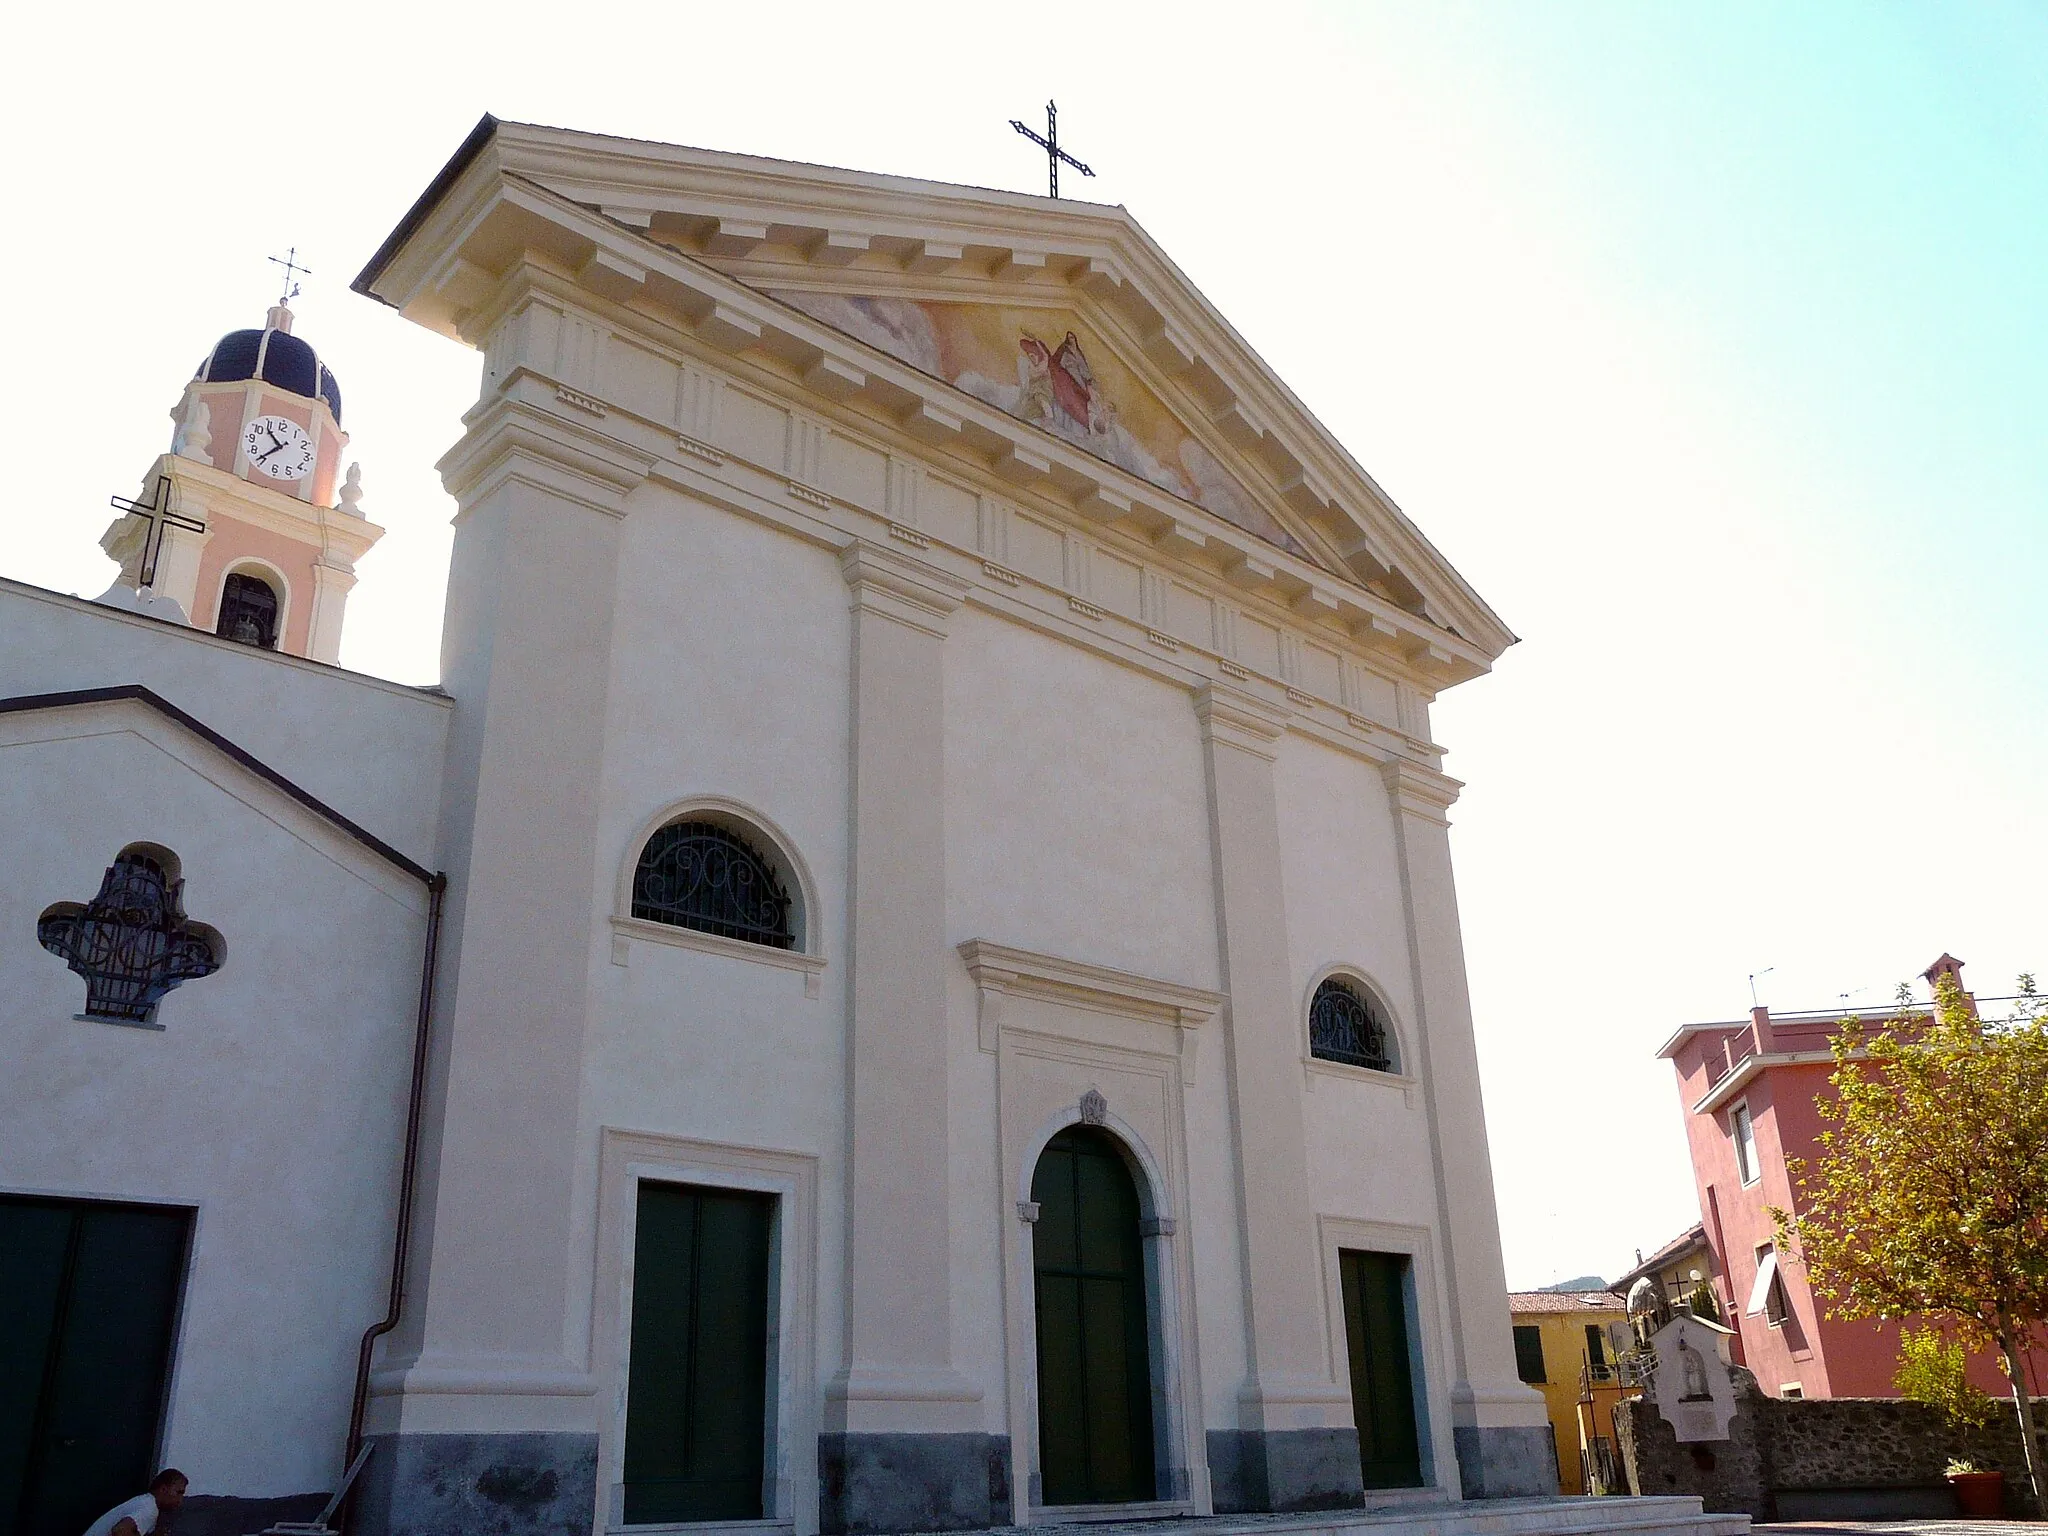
(894, 586)
(1239, 718)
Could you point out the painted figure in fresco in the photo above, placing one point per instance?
(1073, 386)
(1694, 1373)
(1034, 380)
(1058, 388)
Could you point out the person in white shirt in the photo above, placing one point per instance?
(139, 1516)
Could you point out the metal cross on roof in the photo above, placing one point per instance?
(157, 511)
(290, 262)
(1050, 143)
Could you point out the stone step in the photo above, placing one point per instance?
(1429, 1513)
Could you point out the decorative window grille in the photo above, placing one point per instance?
(248, 611)
(1345, 1025)
(131, 942)
(697, 874)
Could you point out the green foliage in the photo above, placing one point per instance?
(1931, 1193)
(1703, 1302)
(1931, 1370)
(1930, 1197)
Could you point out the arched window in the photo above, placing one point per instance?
(1346, 1024)
(248, 611)
(132, 942)
(702, 875)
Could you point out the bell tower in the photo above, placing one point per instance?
(248, 526)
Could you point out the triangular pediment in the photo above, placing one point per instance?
(1046, 364)
(1064, 316)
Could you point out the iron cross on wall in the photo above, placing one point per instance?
(1050, 143)
(158, 514)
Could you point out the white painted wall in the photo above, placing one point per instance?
(369, 748)
(272, 1100)
(729, 679)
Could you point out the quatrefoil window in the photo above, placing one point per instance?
(132, 942)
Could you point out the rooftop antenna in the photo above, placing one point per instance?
(1050, 143)
(1752, 984)
(290, 262)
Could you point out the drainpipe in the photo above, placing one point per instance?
(408, 1179)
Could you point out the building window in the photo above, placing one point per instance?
(1345, 1024)
(1529, 1353)
(1767, 1295)
(1744, 1132)
(698, 874)
(1596, 1346)
(248, 611)
(132, 942)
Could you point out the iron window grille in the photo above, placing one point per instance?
(248, 611)
(696, 874)
(1346, 1026)
(132, 942)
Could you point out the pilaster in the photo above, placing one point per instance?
(333, 579)
(1500, 1427)
(490, 1367)
(904, 1445)
(1296, 1447)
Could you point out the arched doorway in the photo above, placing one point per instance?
(1094, 1355)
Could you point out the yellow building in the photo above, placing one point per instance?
(1565, 1344)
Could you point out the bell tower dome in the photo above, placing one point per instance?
(248, 526)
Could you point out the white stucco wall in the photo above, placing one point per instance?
(369, 748)
(272, 1100)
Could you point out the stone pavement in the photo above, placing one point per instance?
(1905, 1528)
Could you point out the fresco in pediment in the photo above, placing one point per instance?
(1045, 367)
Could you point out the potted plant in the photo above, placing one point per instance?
(1933, 1369)
(1980, 1495)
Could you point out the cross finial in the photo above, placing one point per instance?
(290, 262)
(1050, 143)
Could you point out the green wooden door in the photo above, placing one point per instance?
(1094, 1364)
(697, 1388)
(88, 1305)
(1382, 1388)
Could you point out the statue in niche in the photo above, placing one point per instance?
(1693, 1369)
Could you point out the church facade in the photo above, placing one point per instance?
(921, 906)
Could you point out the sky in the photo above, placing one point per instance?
(1709, 342)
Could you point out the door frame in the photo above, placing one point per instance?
(1429, 1330)
(187, 1269)
(626, 1159)
(1158, 1233)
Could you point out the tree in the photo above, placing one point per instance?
(1930, 1197)
(1934, 1369)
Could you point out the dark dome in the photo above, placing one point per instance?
(275, 356)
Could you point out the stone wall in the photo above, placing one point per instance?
(1821, 1458)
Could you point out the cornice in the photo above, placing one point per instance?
(495, 205)
(1750, 1068)
(779, 215)
(1053, 978)
(272, 511)
(685, 461)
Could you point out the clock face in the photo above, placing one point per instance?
(278, 447)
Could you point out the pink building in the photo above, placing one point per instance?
(1748, 1092)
